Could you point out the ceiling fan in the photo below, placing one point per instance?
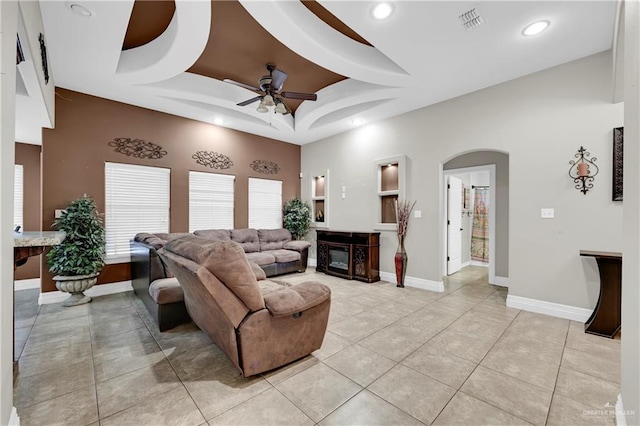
(269, 92)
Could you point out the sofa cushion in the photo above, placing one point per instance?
(192, 247)
(297, 245)
(247, 238)
(214, 234)
(227, 261)
(170, 236)
(297, 298)
(261, 258)
(150, 239)
(166, 290)
(258, 271)
(283, 256)
(269, 286)
(273, 239)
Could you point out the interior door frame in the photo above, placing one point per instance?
(491, 168)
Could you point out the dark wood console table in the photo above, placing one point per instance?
(350, 255)
(606, 317)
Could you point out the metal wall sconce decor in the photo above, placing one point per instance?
(618, 160)
(212, 159)
(138, 148)
(583, 170)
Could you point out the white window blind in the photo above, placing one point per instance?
(137, 200)
(210, 201)
(265, 203)
(18, 196)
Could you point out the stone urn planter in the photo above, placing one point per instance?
(77, 261)
(76, 286)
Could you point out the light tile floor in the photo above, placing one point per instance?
(391, 357)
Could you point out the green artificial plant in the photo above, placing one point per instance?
(297, 217)
(82, 250)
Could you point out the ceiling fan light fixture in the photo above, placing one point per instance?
(280, 108)
(268, 100)
(262, 107)
(382, 10)
(535, 28)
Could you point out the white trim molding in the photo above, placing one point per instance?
(98, 290)
(500, 281)
(14, 419)
(29, 284)
(549, 308)
(437, 286)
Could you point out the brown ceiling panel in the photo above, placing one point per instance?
(149, 19)
(239, 47)
(331, 20)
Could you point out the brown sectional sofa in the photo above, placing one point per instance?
(260, 324)
(272, 249)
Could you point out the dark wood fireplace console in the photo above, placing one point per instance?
(350, 255)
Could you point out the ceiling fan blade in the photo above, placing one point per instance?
(300, 96)
(244, 86)
(287, 108)
(249, 101)
(277, 79)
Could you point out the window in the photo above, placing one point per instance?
(210, 201)
(265, 203)
(390, 174)
(18, 196)
(136, 200)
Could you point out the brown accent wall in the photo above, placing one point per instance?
(29, 157)
(74, 153)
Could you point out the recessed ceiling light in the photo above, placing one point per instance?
(357, 121)
(382, 10)
(535, 28)
(218, 121)
(80, 10)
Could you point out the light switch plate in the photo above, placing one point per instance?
(58, 213)
(547, 213)
(417, 213)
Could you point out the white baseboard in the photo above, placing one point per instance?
(549, 308)
(478, 263)
(29, 284)
(465, 264)
(97, 290)
(312, 262)
(437, 286)
(501, 281)
(621, 419)
(14, 420)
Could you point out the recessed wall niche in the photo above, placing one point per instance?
(320, 199)
(390, 175)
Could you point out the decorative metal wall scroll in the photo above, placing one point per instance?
(618, 138)
(212, 159)
(138, 148)
(265, 167)
(583, 170)
(43, 57)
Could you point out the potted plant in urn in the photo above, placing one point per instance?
(297, 217)
(77, 261)
(403, 214)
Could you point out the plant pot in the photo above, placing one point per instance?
(76, 285)
(400, 261)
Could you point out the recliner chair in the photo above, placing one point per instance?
(260, 324)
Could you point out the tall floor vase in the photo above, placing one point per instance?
(400, 262)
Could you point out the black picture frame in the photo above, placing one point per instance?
(618, 151)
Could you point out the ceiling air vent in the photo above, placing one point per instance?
(471, 19)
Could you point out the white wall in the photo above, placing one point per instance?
(540, 121)
(8, 28)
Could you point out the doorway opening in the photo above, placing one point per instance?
(470, 218)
